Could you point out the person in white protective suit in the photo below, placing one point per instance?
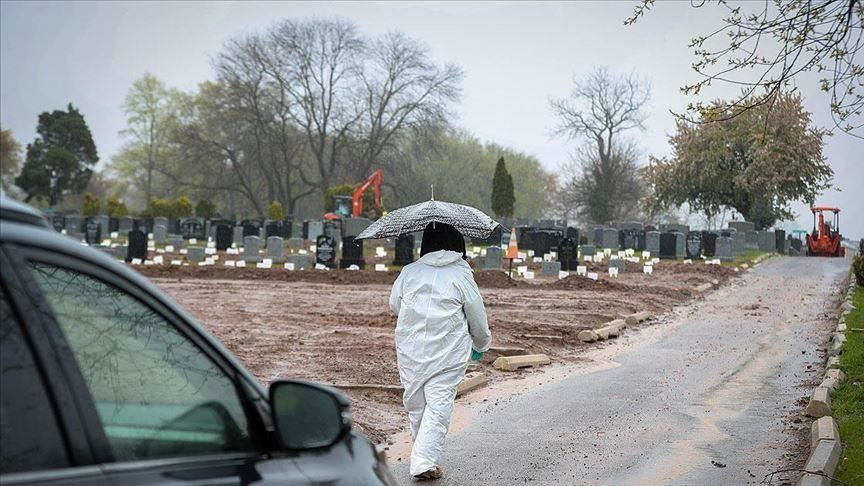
(441, 325)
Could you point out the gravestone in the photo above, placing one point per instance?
(767, 241)
(742, 226)
(57, 221)
(160, 234)
(144, 224)
(288, 227)
(694, 244)
(325, 250)
(550, 268)
(193, 228)
(120, 252)
(751, 240)
(609, 239)
(680, 245)
(588, 250)
(72, 223)
(352, 252)
(272, 228)
(572, 234)
(251, 249)
(493, 239)
(297, 230)
(404, 250)
(113, 224)
(237, 236)
(709, 243)
(224, 237)
(780, 241)
(124, 224)
(301, 262)
(541, 241)
(355, 226)
(137, 245)
(630, 239)
(314, 230)
(675, 227)
(493, 258)
(597, 236)
(295, 243)
(618, 263)
(652, 242)
(668, 245)
(176, 242)
(568, 254)
(333, 229)
(275, 249)
(739, 243)
(195, 254)
(629, 226)
(103, 222)
(723, 249)
(93, 232)
(250, 228)
(159, 220)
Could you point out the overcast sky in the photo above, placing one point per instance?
(515, 56)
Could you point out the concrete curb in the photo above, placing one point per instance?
(826, 448)
(471, 381)
(513, 363)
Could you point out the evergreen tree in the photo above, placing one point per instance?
(503, 198)
(61, 158)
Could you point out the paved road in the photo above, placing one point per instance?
(720, 384)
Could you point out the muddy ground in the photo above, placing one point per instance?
(335, 327)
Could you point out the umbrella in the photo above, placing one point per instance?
(469, 221)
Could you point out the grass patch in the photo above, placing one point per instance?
(848, 399)
(746, 257)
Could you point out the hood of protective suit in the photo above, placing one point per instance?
(442, 258)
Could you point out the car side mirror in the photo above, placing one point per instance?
(308, 415)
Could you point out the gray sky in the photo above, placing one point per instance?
(515, 56)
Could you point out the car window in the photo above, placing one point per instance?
(156, 392)
(24, 402)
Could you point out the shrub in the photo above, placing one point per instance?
(181, 208)
(115, 207)
(275, 211)
(90, 206)
(160, 208)
(205, 209)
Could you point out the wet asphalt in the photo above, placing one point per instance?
(712, 401)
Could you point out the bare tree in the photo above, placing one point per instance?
(604, 183)
(763, 46)
(403, 90)
(316, 64)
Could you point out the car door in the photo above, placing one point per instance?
(169, 410)
(38, 440)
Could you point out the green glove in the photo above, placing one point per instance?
(476, 355)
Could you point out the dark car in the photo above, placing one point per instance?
(106, 380)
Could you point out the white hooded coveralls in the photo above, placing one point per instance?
(441, 314)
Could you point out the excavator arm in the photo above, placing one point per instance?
(357, 200)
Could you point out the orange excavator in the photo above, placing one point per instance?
(345, 206)
(825, 239)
